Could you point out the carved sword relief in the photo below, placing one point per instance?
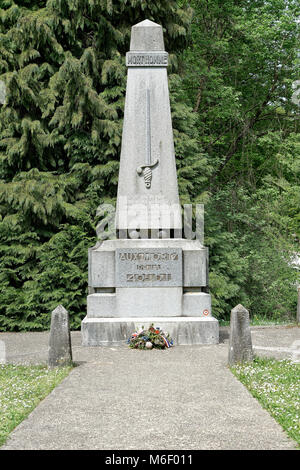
(146, 169)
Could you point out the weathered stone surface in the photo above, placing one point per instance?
(136, 302)
(240, 342)
(196, 304)
(155, 267)
(102, 259)
(298, 307)
(149, 301)
(147, 36)
(147, 59)
(101, 267)
(60, 351)
(133, 302)
(147, 188)
(195, 267)
(105, 331)
(183, 330)
(148, 220)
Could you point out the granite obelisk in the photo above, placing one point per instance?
(149, 273)
(147, 190)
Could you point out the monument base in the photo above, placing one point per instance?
(134, 283)
(183, 330)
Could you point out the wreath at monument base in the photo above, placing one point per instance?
(151, 338)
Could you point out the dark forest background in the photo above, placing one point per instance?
(235, 109)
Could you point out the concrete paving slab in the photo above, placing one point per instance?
(181, 398)
(32, 347)
(280, 342)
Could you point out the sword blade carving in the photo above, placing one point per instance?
(146, 169)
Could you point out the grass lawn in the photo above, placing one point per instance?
(21, 389)
(276, 385)
(264, 321)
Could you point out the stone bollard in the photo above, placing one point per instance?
(60, 350)
(240, 343)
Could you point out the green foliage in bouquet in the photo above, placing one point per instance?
(153, 337)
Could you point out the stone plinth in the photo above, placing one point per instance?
(177, 300)
(183, 330)
(102, 260)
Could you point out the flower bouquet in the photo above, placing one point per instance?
(153, 337)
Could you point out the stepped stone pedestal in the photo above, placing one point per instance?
(149, 274)
(133, 283)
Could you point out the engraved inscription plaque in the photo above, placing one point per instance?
(147, 59)
(148, 267)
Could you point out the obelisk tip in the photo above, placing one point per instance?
(147, 36)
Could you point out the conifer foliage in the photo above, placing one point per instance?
(62, 62)
(233, 66)
(241, 74)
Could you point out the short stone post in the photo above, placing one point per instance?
(60, 350)
(240, 343)
(2, 352)
(298, 307)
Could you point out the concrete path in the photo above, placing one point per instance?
(182, 398)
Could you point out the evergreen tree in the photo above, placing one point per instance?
(239, 69)
(60, 132)
(62, 62)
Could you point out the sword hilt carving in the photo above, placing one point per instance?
(146, 171)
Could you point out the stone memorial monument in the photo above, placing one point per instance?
(240, 341)
(149, 273)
